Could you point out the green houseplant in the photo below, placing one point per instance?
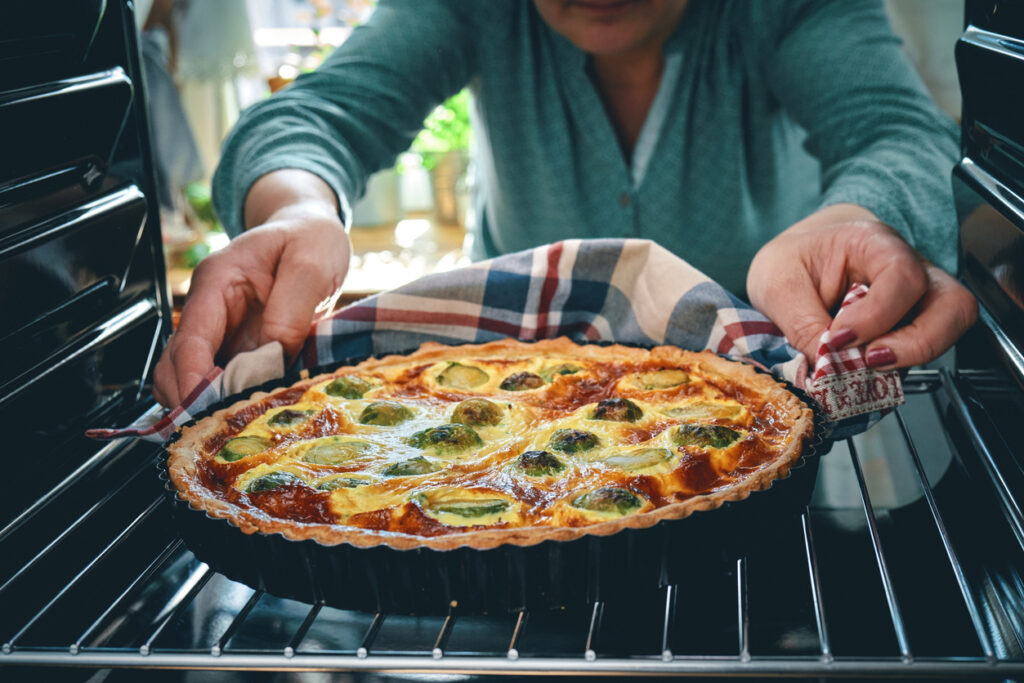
(443, 148)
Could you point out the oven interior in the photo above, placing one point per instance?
(908, 560)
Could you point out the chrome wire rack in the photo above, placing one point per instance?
(907, 562)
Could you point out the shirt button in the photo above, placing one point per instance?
(624, 200)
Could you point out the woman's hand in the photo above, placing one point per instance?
(264, 286)
(913, 311)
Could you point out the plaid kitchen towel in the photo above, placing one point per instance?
(622, 290)
(853, 395)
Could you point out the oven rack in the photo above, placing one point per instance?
(862, 583)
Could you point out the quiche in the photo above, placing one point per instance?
(483, 445)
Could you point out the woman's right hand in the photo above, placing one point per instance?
(264, 286)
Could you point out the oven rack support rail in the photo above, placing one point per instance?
(995, 660)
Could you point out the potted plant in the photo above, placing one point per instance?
(443, 147)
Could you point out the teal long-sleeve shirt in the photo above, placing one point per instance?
(767, 110)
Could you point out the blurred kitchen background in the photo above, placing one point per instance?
(206, 60)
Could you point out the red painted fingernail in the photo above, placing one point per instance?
(880, 356)
(842, 338)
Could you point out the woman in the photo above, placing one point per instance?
(782, 146)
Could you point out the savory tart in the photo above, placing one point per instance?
(481, 445)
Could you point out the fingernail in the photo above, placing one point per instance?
(880, 356)
(841, 338)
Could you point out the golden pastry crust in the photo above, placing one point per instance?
(479, 495)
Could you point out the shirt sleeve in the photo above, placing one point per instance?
(356, 113)
(838, 69)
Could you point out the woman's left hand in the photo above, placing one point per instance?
(913, 312)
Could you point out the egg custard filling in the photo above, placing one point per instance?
(504, 442)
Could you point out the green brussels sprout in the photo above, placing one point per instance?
(521, 381)
(617, 410)
(704, 436)
(335, 450)
(572, 440)
(289, 417)
(470, 508)
(242, 447)
(348, 386)
(638, 459)
(459, 376)
(339, 481)
(550, 373)
(387, 413)
(477, 412)
(705, 410)
(449, 438)
(271, 481)
(662, 379)
(609, 499)
(411, 467)
(539, 464)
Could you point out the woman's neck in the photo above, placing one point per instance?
(628, 84)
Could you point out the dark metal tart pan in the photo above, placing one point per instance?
(551, 574)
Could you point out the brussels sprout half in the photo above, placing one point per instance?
(242, 447)
(550, 373)
(665, 378)
(386, 413)
(339, 481)
(289, 417)
(617, 410)
(705, 410)
(459, 376)
(470, 508)
(572, 440)
(609, 499)
(271, 481)
(411, 467)
(638, 459)
(522, 381)
(348, 386)
(446, 439)
(539, 464)
(335, 450)
(477, 412)
(704, 436)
